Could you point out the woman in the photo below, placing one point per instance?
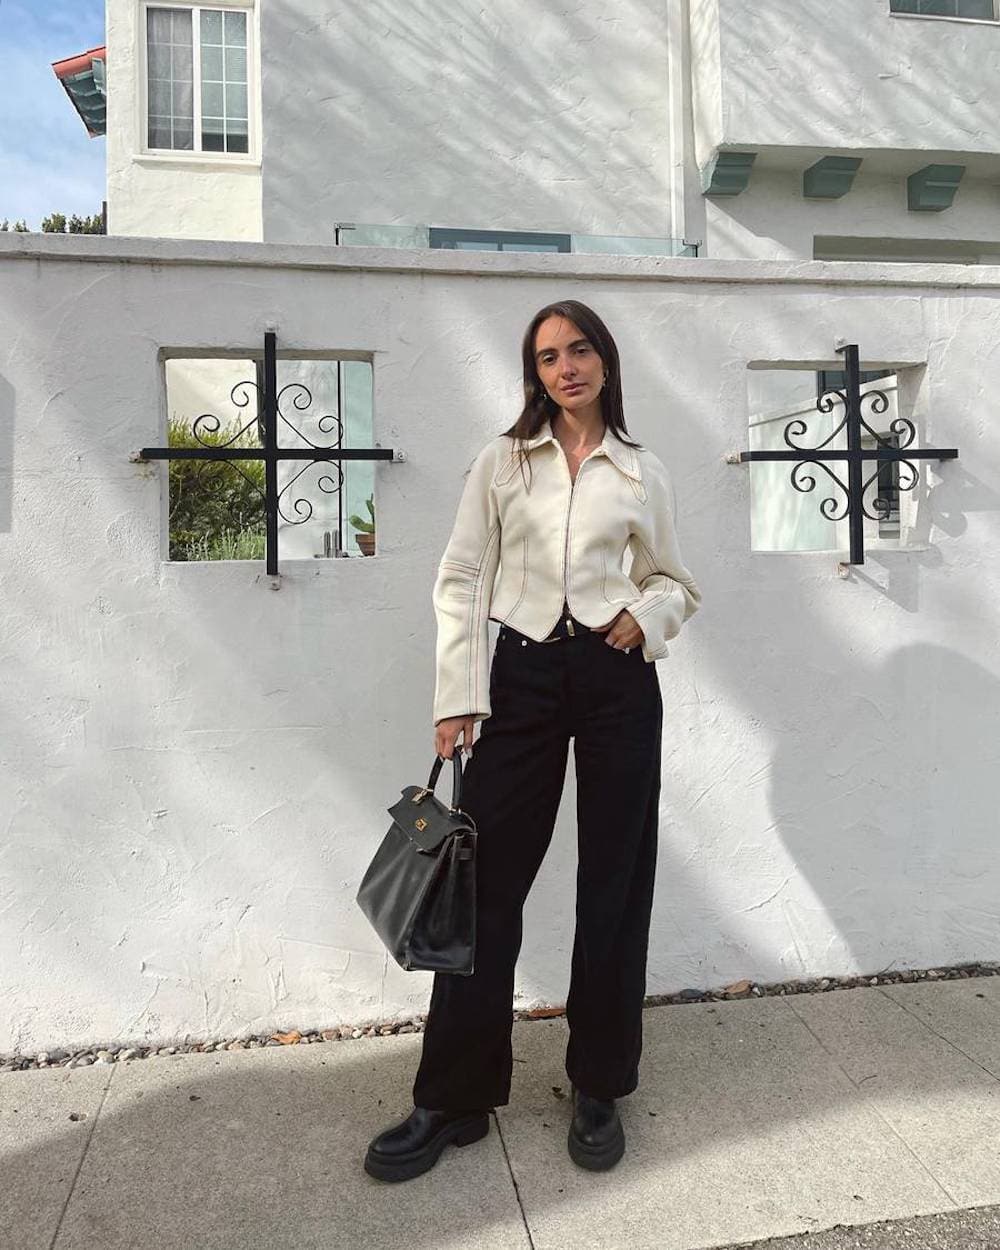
(554, 503)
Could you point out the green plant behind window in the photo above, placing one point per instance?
(215, 512)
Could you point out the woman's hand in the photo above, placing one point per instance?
(623, 631)
(447, 731)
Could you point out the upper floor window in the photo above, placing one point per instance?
(985, 9)
(197, 97)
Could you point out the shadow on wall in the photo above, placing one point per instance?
(6, 456)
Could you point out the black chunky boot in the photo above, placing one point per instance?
(596, 1137)
(414, 1145)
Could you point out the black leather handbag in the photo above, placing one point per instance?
(419, 892)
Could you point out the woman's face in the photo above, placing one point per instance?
(568, 363)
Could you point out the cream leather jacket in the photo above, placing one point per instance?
(555, 540)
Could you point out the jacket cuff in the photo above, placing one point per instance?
(661, 611)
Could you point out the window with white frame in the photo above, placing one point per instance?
(197, 97)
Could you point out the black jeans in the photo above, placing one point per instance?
(542, 694)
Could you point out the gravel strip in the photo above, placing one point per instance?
(120, 1053)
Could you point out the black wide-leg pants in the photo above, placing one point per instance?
(542, 694)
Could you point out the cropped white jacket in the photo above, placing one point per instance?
(553, 540)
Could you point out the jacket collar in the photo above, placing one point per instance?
(619, 453)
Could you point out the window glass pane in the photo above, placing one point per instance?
(211, 99)
(938, 8)
(182, 94)
(158, 26)
(159, 60)
(211, 26)
(182, 63)
(236, 29)
(236, 64)
(212, 134)
(976, 8)
(236, 100)
(181, 33)
(223, 81)
(159, 98)
(515, 246)
(159, 132)
(170, 90)
(211, 64)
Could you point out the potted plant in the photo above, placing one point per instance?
(366, 537)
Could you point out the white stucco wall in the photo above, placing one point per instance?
(770, 220)
(597, 126)
(453, 117)
(795, 80)
(807, 73)
(195, 764)
(172, 195)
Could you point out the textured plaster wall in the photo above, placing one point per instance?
(807, 73)
(174, 195)
(760, 222)
(795, 80)
(195, 763)
(456, 115)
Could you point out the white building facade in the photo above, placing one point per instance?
(709, 128)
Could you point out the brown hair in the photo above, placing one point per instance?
(539, 404)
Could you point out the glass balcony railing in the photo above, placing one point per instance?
(368, 234)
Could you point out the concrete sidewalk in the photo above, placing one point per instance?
(756, 1118)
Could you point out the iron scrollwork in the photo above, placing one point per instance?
(886, 450)
(269, 412)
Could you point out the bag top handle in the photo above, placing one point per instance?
(456, 778)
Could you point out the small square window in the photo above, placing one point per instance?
(801, 504)
(215, 507)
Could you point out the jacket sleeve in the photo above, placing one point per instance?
(462, 594)
(669, 592)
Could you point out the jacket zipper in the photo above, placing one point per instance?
(569, 511)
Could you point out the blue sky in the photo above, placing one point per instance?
(48, 161)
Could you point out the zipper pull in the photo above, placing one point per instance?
(569, 628)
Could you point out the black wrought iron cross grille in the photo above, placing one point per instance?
(266, 418)
(854, 454)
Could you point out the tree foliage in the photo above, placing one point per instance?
(59, 223)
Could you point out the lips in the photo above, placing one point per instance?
(570, 389)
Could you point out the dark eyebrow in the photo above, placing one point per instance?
(552, 349)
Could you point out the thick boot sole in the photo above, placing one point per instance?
(404, 1167)
(596, 1158)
